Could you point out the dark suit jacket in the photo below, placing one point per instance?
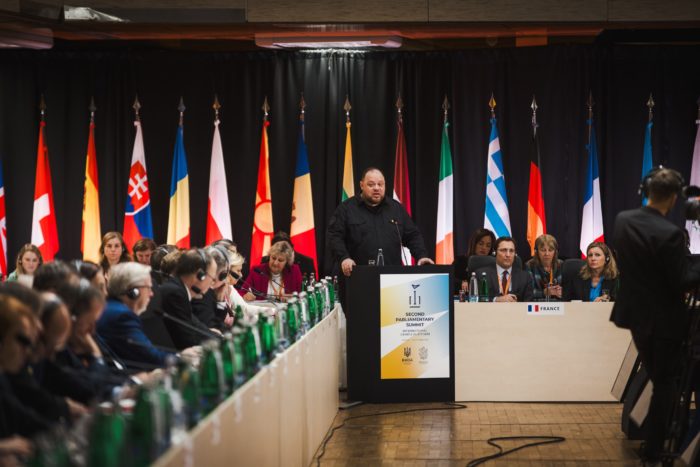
(206, 311)
(174, 301)
(460, 265)
(520, 283)
(580, 289)
(654, 274)
(31, 394)
(121, 330)
(15, 417)
(290, 276)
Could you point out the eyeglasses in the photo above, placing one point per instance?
(24, 341)
(506, 250)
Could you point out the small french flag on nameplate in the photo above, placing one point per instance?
(545, 309)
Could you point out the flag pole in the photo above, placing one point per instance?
(650, 105)
(445, 108)
(347, 107)
(302, 111)
(590, 105)
(533, 106)
(92, 109)
(42, 108)
(266, 109)
(492, 106)
(181, 108)
(137, 108)
(399, 108)
(216, 106)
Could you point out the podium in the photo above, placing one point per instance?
(400, 339)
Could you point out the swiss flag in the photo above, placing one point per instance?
(44, 232)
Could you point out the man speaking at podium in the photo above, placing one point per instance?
(369, 222)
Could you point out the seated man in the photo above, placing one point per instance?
(194, 274)
(506, 284)
(120, 326)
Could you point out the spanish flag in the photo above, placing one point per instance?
(179, 219)
(92, 233)
(262, 220)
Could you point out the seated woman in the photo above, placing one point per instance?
(28, 260)
(212, 308)
(481, 243)
(545, 269)
(276, 278)
(597, 281)
(234, 300)
(113, 251)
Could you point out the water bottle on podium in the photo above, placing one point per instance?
(380, 258)
(483, 288)
(211, 376)
(473, 289)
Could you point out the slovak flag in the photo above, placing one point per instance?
(137, 215)
(44, 231)
(3, 229)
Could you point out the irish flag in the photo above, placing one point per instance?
(302, 232)
(444, 250)
(91, 233)
(218, 213)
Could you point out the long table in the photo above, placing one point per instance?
(503, 352)
(279, 417)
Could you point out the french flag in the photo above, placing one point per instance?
(592, 222)
(137, 215)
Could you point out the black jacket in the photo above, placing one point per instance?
(520, 283)
(461, 273)
(580, 289)
(28, 391)
(15, 417)
(206, 311)
(175, 301)
(357, 230)
(654, 274)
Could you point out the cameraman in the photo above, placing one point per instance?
(654, 274)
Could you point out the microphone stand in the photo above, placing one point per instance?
(189, 326)
(398, 232)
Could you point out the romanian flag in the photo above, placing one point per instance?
(302, 232)
(262, 220)
(218, 212)
(137, 215)
(179, 219)
(444, 248)
(536, 223)
(402, 189)
(348, 176)
(3, 229)
(44, 231)
(91, 236)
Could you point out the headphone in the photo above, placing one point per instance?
(201, 273)
(224, 252)
(646, 181)
(132, 293)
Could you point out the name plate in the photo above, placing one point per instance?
(545, 308)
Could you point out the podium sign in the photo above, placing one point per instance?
(400, 341)
(415, 326)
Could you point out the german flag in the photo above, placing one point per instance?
(536, 223)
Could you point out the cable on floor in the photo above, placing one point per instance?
(501, 452)
(450, 406)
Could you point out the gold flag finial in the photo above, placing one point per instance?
(533, 106)
(347, 107)
(492, 106)
(650, 104)
(445, 107)
(92, 109)
(265, 108)
(42, 107)
(399, 108)
(216, 106)
(137, 108)
(181, 108)
(302, 107)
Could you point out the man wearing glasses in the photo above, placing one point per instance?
(506, 283)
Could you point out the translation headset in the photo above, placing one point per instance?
(201, 274)
(223, 274)
(132, 293)
(646, 181)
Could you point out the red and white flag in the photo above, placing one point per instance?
(44, 231)
(262, 219)
(218, 212)
(402, 189)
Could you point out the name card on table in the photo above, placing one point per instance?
(545, 308)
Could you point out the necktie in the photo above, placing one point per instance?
(504, 283)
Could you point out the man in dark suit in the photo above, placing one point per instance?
(506, 283)
(654, 275)
(195, 273)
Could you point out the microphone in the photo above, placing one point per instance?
(398, 232)
(262, 273)
(256, 292)
(235, 275)
(196, 290)
(187, 325)
(146, 346)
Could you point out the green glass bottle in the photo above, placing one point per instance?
(143, 429)
(313, 307)
(336, 291)
(106, 436)
(189, 386)
(267, 337)
(281, 334)
(211, 377)
(293, 319)
(228, 363)
(250, 351)
(483, 288)
(320, 301)
(239, 366)
(331, 291)
(303, 312)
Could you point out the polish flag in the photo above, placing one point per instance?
(218, 214)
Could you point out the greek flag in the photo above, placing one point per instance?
(496, 216)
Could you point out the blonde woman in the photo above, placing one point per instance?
(28, 260)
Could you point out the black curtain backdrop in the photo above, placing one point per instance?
(620, 77)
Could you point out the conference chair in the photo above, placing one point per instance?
(477, 262)
(570, 270)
